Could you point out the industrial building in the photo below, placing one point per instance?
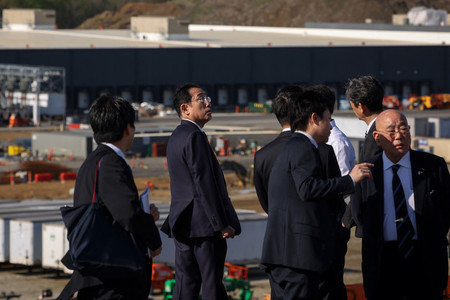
(236, 64)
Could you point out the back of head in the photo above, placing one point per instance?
(302, 108)
(182, 96)
(326, 93)
(109, 116)
(366, 90)
(280, 105)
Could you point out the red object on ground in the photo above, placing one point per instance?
(68, 176)
(235, 271)
(160, 273)
(40, 177)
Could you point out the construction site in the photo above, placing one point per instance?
(50, 77)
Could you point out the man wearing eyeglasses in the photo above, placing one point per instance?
(404, 212)
(201, 215)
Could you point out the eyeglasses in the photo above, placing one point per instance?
(204, 99)
(403, 130)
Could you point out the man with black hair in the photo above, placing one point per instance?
(266, 156)
(337, 161)
(112, 120)
(298, 244)
(365, 94)
(201, 215)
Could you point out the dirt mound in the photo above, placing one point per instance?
(121, 19)
(282, 13)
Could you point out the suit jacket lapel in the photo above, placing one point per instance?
(376, 193)
(419, 178)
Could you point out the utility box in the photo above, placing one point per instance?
(29, 19)
(159, 28)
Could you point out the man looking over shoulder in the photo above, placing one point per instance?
(404, 212)
(365, 94)
(201, 215)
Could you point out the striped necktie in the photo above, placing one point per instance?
(405, 230)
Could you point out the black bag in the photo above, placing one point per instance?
(100, 246)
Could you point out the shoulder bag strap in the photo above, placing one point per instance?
(95, 182)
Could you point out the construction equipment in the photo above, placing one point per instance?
(391, 102)
(160, 274)
(426, 102)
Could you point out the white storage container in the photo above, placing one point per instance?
(26, 238)
(5, 236)
(54, 245)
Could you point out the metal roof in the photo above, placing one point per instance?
(220, 36)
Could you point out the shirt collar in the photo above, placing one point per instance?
(116, 150)
(313, 141)
(286, 129)
(405, 161)
(194, 123)
(370, 125)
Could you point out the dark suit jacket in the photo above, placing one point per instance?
(300, 227)
(263, 163)
(331, 169)
(200, 205)
(370, 147)
(117, 191)
(431, 184)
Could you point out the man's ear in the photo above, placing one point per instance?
(364, 109)
(376, 137)
(184, 108)
(314, 118)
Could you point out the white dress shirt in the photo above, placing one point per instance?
(405, 175)
(313, 141)
(117, 150)
(343, 149)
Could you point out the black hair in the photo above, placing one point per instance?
(182, 96)
(280, 105)
(366, 90)
(303, 107)
(326, 93)
(109, 116)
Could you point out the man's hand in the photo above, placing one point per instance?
(154, 212)
(361, 171)
(156, 252)
(228, 232)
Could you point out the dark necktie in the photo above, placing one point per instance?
(405, 230)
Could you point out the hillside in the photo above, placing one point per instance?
(283, 13)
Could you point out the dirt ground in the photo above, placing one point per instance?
(30, 283)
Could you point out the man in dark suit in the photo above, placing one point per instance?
(112, 120)
(365, 94)
(266, 156)
(201, 215)
(298, 244)
(405, 214)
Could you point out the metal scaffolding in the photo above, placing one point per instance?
(26, 80)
